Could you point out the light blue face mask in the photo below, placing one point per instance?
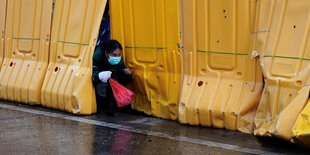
(114, 60)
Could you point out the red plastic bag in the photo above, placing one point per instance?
(122, 95)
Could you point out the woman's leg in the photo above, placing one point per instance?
(101, 96)
(111, 103)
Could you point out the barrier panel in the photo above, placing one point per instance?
(27, 35)
(2, 28)
(68, 85)
(282, 42)
(222, 82)
(301, 129)
(149, 32)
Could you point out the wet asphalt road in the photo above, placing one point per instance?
(36, 130)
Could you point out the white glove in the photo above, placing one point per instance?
(104, 76)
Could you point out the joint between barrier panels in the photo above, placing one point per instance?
(223, 52)
(285, 57)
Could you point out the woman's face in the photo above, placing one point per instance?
(116, 53)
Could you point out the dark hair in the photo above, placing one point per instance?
(110, 46)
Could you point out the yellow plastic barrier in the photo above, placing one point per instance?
(282, 42)
(67, 85)
(222, 81)
(2, 28)
(301, 129)
(26, 50)
(149, 32)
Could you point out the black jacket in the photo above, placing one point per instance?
(101, 63)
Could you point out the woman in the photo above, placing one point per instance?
(108, 63)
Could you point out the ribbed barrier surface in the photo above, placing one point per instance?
(67, 85)
(27, 34)
(222, 81)
(2, 28)
(282, 42)
(149, 32)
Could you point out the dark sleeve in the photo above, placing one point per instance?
(95, 76)
(124, 79)
(96, 66)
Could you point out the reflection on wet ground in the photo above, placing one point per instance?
(35, 130)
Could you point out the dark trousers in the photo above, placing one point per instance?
(105, 98)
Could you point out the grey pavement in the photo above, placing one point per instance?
(28, 129)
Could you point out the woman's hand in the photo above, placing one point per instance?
(127, 71)
(104, 76)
